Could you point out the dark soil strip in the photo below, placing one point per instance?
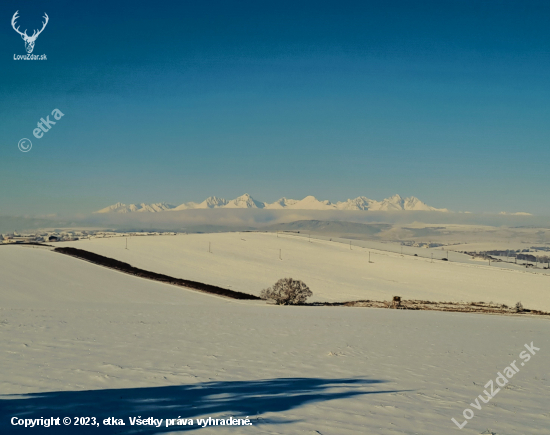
(126, 268)
(471, 307)
(24, 244)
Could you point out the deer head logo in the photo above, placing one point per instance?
(29, 40)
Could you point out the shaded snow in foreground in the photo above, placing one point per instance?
(78, 339)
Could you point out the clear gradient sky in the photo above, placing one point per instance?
(179, 100)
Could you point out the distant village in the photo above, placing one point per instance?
(422, 244)
(69, 236)
(530, 256)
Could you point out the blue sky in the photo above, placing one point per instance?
(179, 100)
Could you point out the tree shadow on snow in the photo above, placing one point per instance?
(237, 399)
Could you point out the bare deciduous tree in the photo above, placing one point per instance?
(287, 291)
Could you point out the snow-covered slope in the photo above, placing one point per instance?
(250, 262)
(308, 203)
(79, 340)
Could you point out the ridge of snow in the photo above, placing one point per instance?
(123, 208)
(393, 203)
(281, 203)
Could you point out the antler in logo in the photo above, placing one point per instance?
(29, 40)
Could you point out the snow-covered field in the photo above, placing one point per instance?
(249, 262)
(77, 339)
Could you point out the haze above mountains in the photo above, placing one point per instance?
(394, 203)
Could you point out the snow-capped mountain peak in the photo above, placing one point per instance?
(281, 203)
(359, 203)
(245, 201)
(212, 202)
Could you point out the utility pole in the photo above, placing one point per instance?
(209, 247)
(447, 255)
(432, 257)
(280, 257)
(126, 242)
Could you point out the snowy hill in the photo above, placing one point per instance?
(249, 262)
(78, 339)
(394, 203)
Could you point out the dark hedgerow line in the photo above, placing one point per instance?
(127, 268)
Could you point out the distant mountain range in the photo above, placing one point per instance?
(394, 203)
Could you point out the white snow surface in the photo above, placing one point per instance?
(77, 339)
(308, 203)
(249, 262)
